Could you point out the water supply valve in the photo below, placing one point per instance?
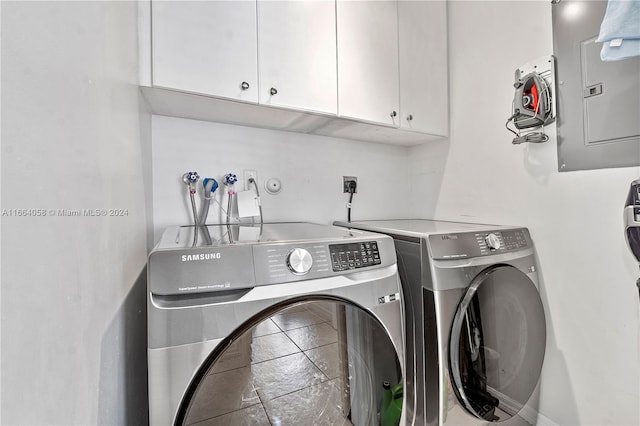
(230, 179)
(191, 178)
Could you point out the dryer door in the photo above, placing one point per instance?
(497, 343)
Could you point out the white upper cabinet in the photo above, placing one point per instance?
(423, 66)
(297, 54)
(373, 70)
(368, 85)
(206, 47)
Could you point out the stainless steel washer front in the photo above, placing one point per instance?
(268, 344)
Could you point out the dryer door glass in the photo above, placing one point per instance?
(302, 363)
(497, 343)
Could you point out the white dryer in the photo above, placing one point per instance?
(284, 323)
(477, 322)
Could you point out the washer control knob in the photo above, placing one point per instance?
(492, 240)
(299, 261)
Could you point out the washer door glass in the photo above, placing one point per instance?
(497, 343)
(320, 361)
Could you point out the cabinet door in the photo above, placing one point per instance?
(368, 61)
(206, 47)
(423, 66)
(297, 54)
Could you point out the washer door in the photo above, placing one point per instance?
(497, 343)
(310, 361)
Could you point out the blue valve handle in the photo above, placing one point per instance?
(230, 178)
(191, 177)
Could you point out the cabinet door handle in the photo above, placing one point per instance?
(393, 114)
(244, 85)
(409, 117)
(273, 91)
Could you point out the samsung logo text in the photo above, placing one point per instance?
(201, 256)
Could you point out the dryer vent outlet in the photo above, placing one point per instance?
(349, 184)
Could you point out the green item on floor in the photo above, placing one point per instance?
(391, 404)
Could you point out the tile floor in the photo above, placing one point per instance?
(289, 371)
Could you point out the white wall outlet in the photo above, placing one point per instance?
(248, 174)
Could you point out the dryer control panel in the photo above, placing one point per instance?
(475, 244)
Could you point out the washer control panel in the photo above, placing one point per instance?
(474, 244)
(354, 255)
(241, 257)
(280, 263)
(501, 241)
(283, 262)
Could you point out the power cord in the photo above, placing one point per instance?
(351, 188)
(531, 137)
(515, 114)
(255, 185)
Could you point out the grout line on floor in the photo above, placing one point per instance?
(263, 407)
(306, 387)
(230, 412)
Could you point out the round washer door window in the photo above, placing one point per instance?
(497, 343)
(310, 362)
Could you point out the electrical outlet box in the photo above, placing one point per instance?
(345, 183)
(248, 174)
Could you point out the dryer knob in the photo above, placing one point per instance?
(492, 240)
(299, 261)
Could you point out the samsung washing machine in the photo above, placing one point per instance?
(475, 320)
(284, 323)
